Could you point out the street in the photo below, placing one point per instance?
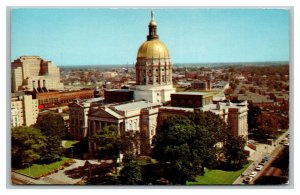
(262, 150)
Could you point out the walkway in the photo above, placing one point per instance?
(62, 177)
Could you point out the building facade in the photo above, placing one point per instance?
(78, 117)
(118, 95)
(30, 71)
(24, 111)
(53, 98)
(191, 99)
(153, 69)
(201, 85)
(135, 117)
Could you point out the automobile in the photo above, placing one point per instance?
(248, 179)
(286, 144)
(283, 142)
(259, 167)
(266, 158)
(253, 174)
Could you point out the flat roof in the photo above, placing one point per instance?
(192, 93)
(119, 90)
(135, 105)
(94, 100)
(177, 108)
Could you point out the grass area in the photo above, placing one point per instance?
(216, 176)
(69, 143)
(36, 170)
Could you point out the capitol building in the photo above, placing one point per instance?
(153, 69)
(154, 100)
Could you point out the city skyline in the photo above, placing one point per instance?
(113, 36)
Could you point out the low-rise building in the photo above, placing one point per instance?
(53, 98)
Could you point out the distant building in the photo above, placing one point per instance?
(32, 71)
(24, 111)
(201, 85)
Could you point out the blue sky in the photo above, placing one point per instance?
(113, 36)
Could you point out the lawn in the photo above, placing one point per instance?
(69, 143)
(36, 170)
(215, 176)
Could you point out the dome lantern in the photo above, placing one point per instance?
(152, 28)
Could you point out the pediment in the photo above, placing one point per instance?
(101, 113)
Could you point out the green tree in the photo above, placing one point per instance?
(267, 124)
(205, 146)
(108, 143)
(214, 124)
(27, 146)
(130, 142)
(253, 113)
(53, 128)
(233, 149)
(173, 148)
(131, 173)
(52, 125)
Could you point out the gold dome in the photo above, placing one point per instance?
(153, 49)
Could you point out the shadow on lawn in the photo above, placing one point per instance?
(89, 170)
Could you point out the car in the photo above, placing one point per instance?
(266, 158)
(248, 179)
(259, 167)
(253, 174)
(286, 144)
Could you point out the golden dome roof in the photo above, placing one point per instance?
(153, 49)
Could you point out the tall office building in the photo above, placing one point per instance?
(30, 72)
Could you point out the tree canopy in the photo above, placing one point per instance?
(52, 125)
(53, 128)
(233, 149)
(28, 144)
(108, 143)
(176, 147)
(131, 173)
(185, 145)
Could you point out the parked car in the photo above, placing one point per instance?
(259, 167)
(262, 163)
(248, 179)
(253, 174)
(266, 158)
